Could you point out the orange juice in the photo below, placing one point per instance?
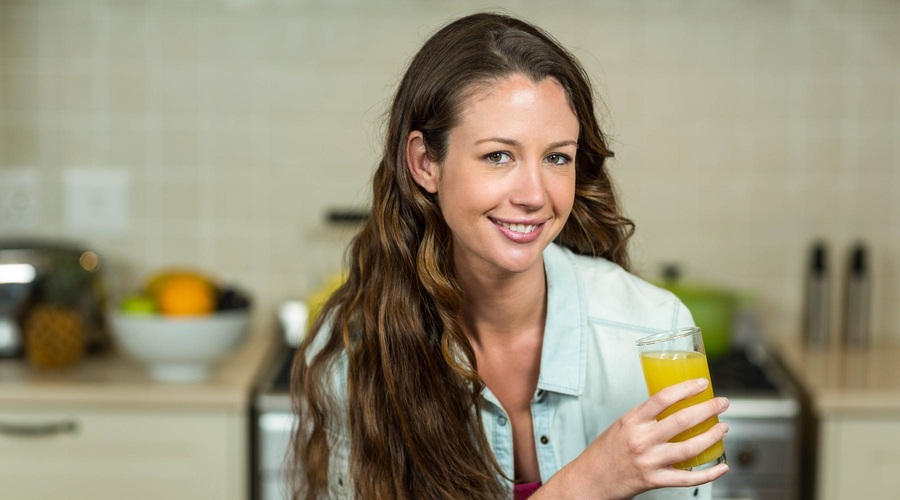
(665, 368)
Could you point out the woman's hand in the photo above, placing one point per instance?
(634, 454)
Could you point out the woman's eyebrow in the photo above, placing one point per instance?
(513, 142)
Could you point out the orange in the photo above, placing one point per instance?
(186, 296)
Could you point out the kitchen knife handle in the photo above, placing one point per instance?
(44, 430)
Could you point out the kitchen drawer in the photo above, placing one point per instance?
(114, 455)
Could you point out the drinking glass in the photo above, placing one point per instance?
(668, 358)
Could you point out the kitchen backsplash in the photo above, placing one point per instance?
(742, 129)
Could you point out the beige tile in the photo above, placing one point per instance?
(825, 95)
(75, 88)
(828, 45)
(663, 44)
(128, 32)
(179, 200)
(876, 151)
(179, 87)
(878, 98)
(184, 251)
(76, 36)
(288, 39)
(22, 146)
(234, 88)
(128, 146)
(19, 90)
(178, 37)
(127, 88)
(238, 201)
(771, 97)
(19, 37)
(239, 255)
(75, 145)
(179, 147)
(825, 154)
(235, 151)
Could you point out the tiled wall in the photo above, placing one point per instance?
(743, 129)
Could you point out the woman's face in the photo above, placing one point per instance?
(507, 183)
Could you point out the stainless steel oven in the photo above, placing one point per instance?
(273, 424)
(763, 442)
(762, 445)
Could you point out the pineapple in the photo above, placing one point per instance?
(54, 336)
(55, 330)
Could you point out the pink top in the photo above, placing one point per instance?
(525, 490)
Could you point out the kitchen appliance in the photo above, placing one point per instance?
(762, 444)
(816, 312)
(856, 299)
(50, 290)
(713, 309)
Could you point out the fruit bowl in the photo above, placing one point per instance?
(179, 348)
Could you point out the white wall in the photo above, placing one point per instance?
(743, 129)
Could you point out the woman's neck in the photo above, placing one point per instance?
(502, 307)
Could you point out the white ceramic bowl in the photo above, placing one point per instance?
(179, 349)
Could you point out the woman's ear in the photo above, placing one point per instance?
(423, 170)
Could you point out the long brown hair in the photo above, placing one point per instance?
(412, 386)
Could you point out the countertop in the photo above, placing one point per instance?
(113, 380)
(842, 381)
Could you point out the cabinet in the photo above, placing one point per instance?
(859, 458)
(104, 430)
(89, 454)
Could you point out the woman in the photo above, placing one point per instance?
(484, 340)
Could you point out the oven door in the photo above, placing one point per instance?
(762, 458)
(273, 445)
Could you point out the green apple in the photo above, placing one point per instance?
(138, 304)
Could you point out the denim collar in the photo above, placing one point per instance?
(565, 334)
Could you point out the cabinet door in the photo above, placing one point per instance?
(107, 455)
(860, 458)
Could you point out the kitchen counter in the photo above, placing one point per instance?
(112, 380)
(851, 431)
(846, 381)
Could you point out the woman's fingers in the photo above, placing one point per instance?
(682, 478)
(671, 395)
(686, 418)
(690, 448)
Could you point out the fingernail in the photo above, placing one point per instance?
(725, 403)
(724, 428)
(702, 382)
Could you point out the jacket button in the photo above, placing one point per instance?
(545, 440)
(501, 421)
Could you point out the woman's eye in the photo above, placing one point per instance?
(558, 159)
(498, 157)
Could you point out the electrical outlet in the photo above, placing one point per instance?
(18, 199)
(96, 200)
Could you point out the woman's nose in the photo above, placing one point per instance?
(528, 188)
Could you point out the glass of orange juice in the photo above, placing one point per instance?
(668, 358)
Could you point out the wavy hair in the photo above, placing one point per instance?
(412, 393)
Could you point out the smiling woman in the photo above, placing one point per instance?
(483, 343)
(504, 206)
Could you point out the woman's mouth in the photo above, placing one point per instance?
(519, 232)
(519, 228)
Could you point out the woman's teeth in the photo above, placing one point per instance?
(519, 228)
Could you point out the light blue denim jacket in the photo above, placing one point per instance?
(590, 371)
